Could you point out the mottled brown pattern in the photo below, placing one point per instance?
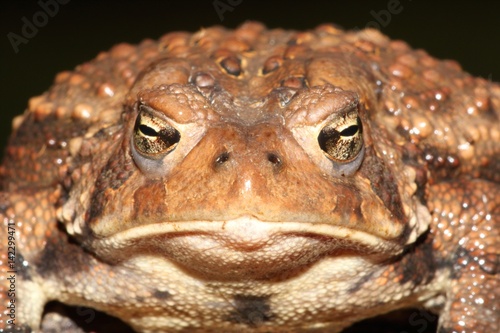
(256, 180)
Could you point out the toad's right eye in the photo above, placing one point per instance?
(342, 140)
(154, 136)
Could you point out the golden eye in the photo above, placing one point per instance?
(342, 139)
(154, 135)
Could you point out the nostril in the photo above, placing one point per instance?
(222, 158)
(274, 159)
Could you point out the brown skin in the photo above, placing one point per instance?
(257, 181)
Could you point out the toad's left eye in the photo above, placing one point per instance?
(153, 135)
(342, 139)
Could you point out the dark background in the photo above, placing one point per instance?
(466, 31)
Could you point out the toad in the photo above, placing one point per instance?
(255, 180)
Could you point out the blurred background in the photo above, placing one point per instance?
(466, 31)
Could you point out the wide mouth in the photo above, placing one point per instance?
(247, 233)
(242, 248)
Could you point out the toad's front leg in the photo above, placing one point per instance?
(27, 222)
(466, 227)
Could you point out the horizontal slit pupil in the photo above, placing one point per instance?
(349, 131)
(146, 130)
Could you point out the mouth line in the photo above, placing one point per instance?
(247, 233)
